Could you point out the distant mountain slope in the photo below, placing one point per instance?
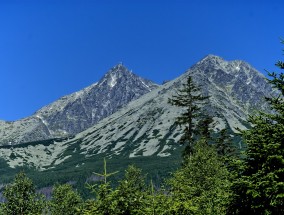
(145, 127)
(76, 112)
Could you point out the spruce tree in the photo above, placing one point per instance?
(204, 128)
(202, 184)
(64, 200)
(21, 197)
(130, 193)
(260, 189)
(104, 203)
(189, 98)
(224, 145)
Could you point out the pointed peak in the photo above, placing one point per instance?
(212, 57)
(217, 59)
(212, 60)
(113, 76)
(119, 68)
(121, 74)
(119, 65)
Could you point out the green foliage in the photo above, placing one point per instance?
(104, 196)
(224, 145)
(260, 189)
(202, 185)
(105, 175)
(129, 195)
(127, 198)
(21, 197)
(64, 200)
(190, 98)
(103, 204)
(203, 128)
(156, 202)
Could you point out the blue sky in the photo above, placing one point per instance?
(52, 48)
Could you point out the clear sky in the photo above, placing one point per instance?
(52, 48)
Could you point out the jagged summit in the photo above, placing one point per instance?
(236, 88)
(236, 79)
(80, 110)
(215, 59)
(235, 67)
(212, 57)
(119, 68)
(118, 75)
(144, 127)
(113, 76)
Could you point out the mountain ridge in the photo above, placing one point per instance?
(75, 112)
(145, 127)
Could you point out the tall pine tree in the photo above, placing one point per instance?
(189, 98)
(260, 189)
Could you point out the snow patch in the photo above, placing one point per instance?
(145, 85)
(249, 80)
(43, 121)
(112, 81)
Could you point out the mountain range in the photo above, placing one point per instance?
(124, 116)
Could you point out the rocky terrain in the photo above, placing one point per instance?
(145, 126)
(74, 113)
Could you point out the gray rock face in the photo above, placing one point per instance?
(145, 126)
(236, 89)
(76, 112)
(241, 81)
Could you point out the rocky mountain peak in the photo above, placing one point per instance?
(237, 80)
(117, 74)
(235, 87)
(145, 127)
(212, 60)
(78, 111)
(216, 64)
(119, 69)
(120, 77)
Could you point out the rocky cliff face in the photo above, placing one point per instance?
(145, 127)
(238, 79)
(74, 113)
(235, 87)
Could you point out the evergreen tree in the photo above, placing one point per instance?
(104, 204)
(260, 189)
(224, 145)
(21, 197)
(203, 128)
(130, 193)
(157, 202)
(64, 200)
(202, 185)
(190, 98)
